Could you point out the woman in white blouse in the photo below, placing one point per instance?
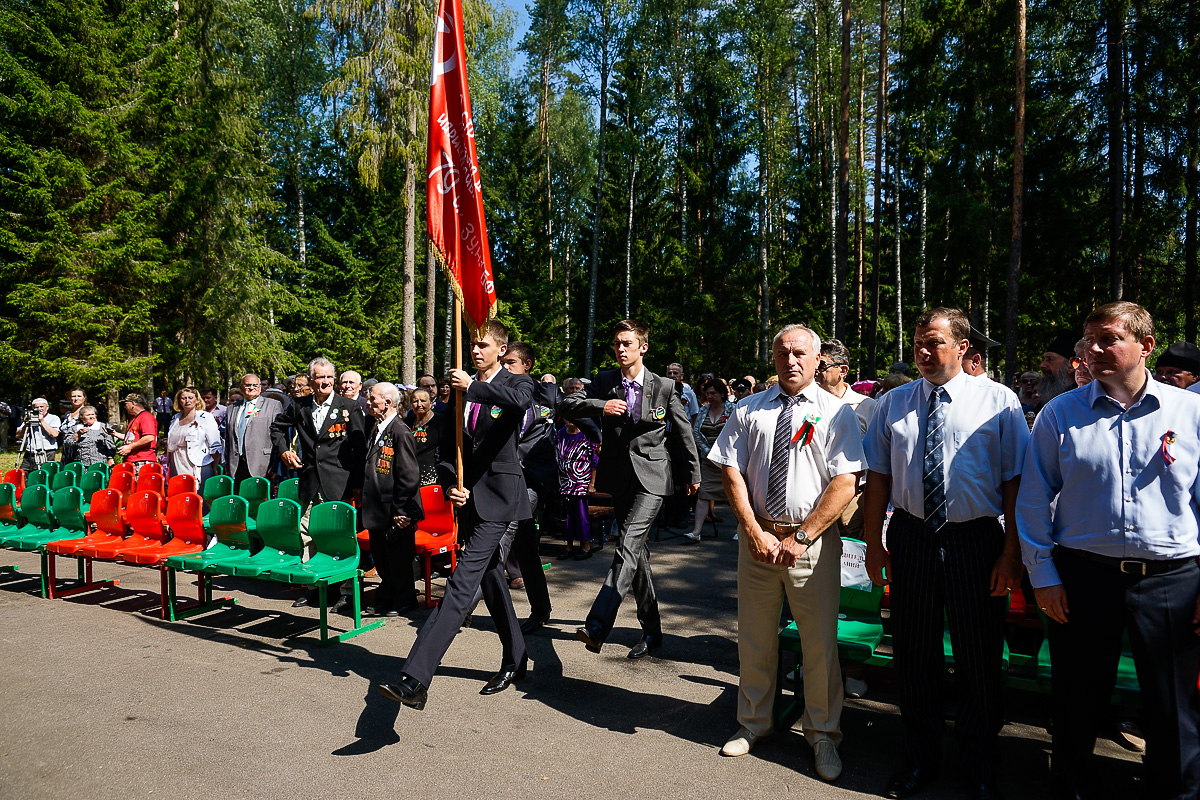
(193, 441)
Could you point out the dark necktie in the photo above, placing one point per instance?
(934, 472)
(780, 456)
(633, 405)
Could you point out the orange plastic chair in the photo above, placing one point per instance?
(17, 478)
(105, 514)
(121, 481)
(124, 466)
(143, 516)
(151, 482)
(436, 534)
(181, 484)
(150, 468)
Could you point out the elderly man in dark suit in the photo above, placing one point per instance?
(248, 447)
(493, 495)
(635, 468)
(330, 429)
(391, 501)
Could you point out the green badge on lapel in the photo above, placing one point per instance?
(659, 413)
(496, 411)
(543, 411)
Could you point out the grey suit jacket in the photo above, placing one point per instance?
(639, 453)
(258, 437)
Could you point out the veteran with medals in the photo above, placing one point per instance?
(391, 502)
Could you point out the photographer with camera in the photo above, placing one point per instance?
(40, 432)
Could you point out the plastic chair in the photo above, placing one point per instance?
(124, 466)
(279, 528)
(17, 478)
(46, 524)
(255, 491)
(151, 482)
(93, 481)
(181, 484)
(99, 466)
(150, 468)
(9, 519)
(51, 468)
(121, 481)
(142, 515)
(105, 514)
(74, 466)
(333, 528)
(35, 515)
(289, 490)
(436, 534)
(227, 522)
(215, 487)
(63, 479)
(39, 477)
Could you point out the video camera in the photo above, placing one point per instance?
(31, 416)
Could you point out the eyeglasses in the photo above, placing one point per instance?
(1077, 362)
(1029, 381)
(824, 365)
(251, 385)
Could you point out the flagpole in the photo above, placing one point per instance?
(458, 395)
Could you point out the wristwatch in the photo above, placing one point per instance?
(802, 538)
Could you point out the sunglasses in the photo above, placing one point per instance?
(1077, 362)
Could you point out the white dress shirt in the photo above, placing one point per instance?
(748, 438)
(381, 427)
(1104, 464)
(984, 444)
(469, 405)
(321, 410)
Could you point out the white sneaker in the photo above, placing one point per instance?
(855, 687)
(695, 537)
(742, 742)
(829, 763)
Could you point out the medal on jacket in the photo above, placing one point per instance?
(1168, 439)
(496, 412)
(804, 434)
(659, 413)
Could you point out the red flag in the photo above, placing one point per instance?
(456, 226)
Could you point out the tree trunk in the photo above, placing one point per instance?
(880, 133)
(764, 320)
(1115, 25)
(843, 176)
(430, 308)
(629, 236)
(408, 361)
(923, 224)
(860, 196)
(447, 347)
(1191, 182)
(898, 148)
(1018, 204)
(596, 217)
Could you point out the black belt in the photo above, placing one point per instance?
(1129, 566)
(949, 526)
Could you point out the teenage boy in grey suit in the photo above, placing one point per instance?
(493, 495)
(638, 411)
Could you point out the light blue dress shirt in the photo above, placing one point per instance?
(984, 445)
(1116, 494)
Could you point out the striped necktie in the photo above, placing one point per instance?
(780, 456)
(934, 479)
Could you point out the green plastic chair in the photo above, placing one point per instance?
(99, 466)
(36, 517)
(289, 490)
(51, 468)
(226, 521)
(216, 487)
(93, 481)
(279, 528)
(10, 520)
(333, 529)
(39, 477)
(74, 466)
(63, 479)
(256, 491)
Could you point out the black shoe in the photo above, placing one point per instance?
(583, 555)
(534, 622)
(408, 691)
(566, 555)
(645, 645)
(342, 606)
(590, 638)
(506, 677)
(410, 606)
(385, 612)
(310, 599)
(984, 790)
(909, 781)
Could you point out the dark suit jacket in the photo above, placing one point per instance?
(491, 465)
(536, 446)
(638, 452)
(260, 454)
(391, 480)
(333, 456)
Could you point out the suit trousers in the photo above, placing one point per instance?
(393, 552)
(479, 567)
(1156, 611)
(935, 576)
(520, 543)
(630, 570)
(812, 590)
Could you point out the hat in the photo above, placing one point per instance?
(1182, 355)
(900, 367)
(981, 342)
(369, 382)
(134, 397)
(1063, 344)
(740, 385)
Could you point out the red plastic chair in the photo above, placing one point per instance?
(150, 468)
(151, 482)
(105, 514)
(184, 518)
(121, 480)
(181, 484)
(17, 478)
(124, 466)
(436, 534)
(143, 516)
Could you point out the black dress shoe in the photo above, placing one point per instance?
(909, 781)
(590, 638)
(645, 645)
(583, 555)
(506, 677)
(310, 599)
(566, 555)
(408, 691)
(342, 606)
(534, 622)
(984, 790)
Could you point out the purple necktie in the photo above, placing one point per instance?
(474, 417)
(633, 400)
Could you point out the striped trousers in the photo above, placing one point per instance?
(938, 578)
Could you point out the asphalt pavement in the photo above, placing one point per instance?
(101, 699)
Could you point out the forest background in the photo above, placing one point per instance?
(191, 190)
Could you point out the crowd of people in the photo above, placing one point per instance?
(1078, 484)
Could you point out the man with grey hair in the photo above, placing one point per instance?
(790, 458)
(42, 442)
(331, 433)
(391, 501)
(832, 370)
(249, 451)
(675, 373)
(350, 386)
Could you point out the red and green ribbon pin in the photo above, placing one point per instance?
(804, 434)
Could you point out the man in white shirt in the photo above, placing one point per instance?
(946, 452)
(42, 441)
(790, 458)
(832, 371)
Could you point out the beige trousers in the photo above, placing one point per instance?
(811, 589)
